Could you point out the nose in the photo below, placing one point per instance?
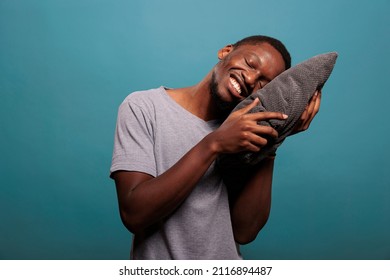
(251, 77)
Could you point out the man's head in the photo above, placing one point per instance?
(245, 67)
(278, 45)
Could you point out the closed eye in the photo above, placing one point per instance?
(265, 81)
(253, 61)
(249, 63)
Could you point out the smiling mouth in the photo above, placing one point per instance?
(235, 85)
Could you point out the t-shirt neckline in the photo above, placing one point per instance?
(212, 123)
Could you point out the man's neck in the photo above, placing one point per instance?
(196, 99)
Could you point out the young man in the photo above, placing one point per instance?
(171, 196)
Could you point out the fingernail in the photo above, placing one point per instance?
(285, 116)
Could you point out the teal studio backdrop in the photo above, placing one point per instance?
(65, 66)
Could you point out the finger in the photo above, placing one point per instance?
(252, 148)
(315, 106)
(263, 130)
(261, 116)
(249, 107)
(314, 109)
(318, 103)
(304, 115)
(310, 108)
(255, 143)
(310, 111)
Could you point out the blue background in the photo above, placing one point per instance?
(66, 65)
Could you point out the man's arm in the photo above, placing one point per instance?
(145, 200)
(251, 207)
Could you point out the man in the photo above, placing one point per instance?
(171, 195)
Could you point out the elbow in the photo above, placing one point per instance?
(244, 239)
(132, 223)
(246, 235)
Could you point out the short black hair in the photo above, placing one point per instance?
(259, 39)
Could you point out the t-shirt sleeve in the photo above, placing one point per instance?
(133, 142)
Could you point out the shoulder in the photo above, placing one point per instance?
(143, 102)
(145, 98)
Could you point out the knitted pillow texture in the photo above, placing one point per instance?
(288, 93)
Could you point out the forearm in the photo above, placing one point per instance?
(154, 199)
(250, 210)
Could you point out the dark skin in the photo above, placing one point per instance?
(145, 200)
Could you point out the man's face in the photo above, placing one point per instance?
(243, 70)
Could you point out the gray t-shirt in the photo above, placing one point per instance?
(153, 132)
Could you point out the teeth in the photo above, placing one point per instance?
(235, 85)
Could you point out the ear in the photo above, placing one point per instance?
(222, 53)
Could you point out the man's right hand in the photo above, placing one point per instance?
(241, 131)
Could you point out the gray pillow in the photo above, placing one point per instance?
(288, 93)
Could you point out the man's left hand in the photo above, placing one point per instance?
(308, 115)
